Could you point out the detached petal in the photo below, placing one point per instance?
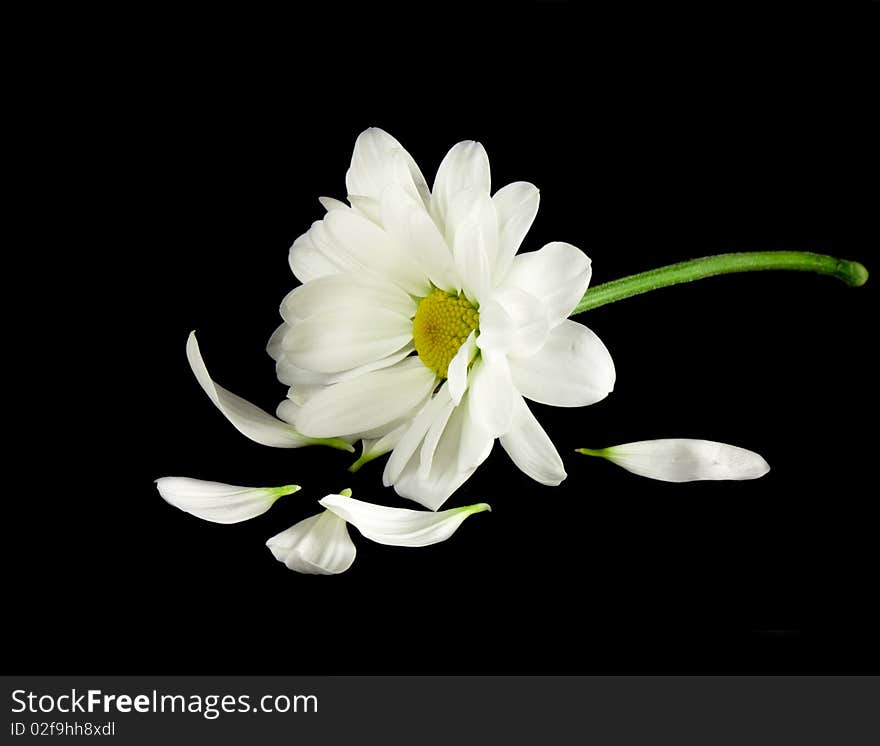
(397, 526)
(218, 502)
(572, 369)
(319, 545)
(248, 419)
(684, 460)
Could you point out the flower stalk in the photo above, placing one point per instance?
(852, 273)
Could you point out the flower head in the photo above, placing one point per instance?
(419, 329)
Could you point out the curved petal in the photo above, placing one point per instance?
(370, 249)
(572, 369)
(531, 449)
(345, 290)
(379, 161)
(558, 274)
(516, 206)
(684, 460)
(513, 322)
(218, 502)
(409, 224)
(292, 375)
(475, 440)
(273, 346)
(491, 395)
(457, 370)
(397, 526)
(466, 166)
(319, 545)
(412, 438)
(329, 203)
(313, 255)
(451, 443)
(472, 231)
(368, 402)
(248, 419)
(346, 338)
(373, 448)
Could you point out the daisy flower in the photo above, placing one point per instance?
(419, 329)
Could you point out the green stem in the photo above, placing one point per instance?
(852, 273)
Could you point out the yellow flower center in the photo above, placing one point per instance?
(441, 325)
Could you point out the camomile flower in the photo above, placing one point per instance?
(419, 329)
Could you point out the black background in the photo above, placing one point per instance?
(182, 156)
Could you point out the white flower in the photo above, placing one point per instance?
(419, 328)
(217, 502)
(321, 544)
(684, 460)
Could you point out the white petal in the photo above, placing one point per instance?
(454, 456)
(558, 274)
(516, 206)
(288, 410)
(370, 249)
(292, 375)
(345, 290)
(273, 347)
(248, 419)
(572, 369)
(345, 338)
(475, 441)
(319, 545)
(409, 224)
(414, 435)
(368, 207)
(457, 372)
(367, 402)
(432, 440)
(218, 502)
(685, 460)
(491, 394)
(328, 203)
(397, 526)
(466, 166)
(472, 231)
(513, 322)
(531, 449)
(373, 448)
(379, 161)
(313, 256)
